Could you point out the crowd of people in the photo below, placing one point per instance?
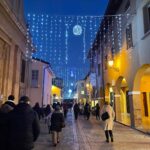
(20, 127)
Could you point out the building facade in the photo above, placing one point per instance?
(123, 64)
(41, 82)
(15, 66)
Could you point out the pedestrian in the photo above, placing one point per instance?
(47, 111)
(97, 111)
(38, 110)
(57, 123)
(76, 110)
(10, 101)
(23, 126)
(65, 109)
(4, 110)
(108, 122)
(87, 110)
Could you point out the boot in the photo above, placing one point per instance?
(111, 135)
(107, 136)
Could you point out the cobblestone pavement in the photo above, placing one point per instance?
(89, 135)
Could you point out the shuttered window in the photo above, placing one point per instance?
(146, 17)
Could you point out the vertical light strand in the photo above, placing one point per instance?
(84, 45)
(66, 41)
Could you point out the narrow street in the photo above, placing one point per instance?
(89, 135)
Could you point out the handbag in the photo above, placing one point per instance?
(105, 116)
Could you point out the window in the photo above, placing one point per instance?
(23, 67)
(146, 17)
(129, 36)
(34, 81)
(127, 102)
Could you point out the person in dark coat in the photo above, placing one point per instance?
(87, 110)
(38, 110)
(97, 111)
(76, 110)
(4, 125)
(23, 126)
(10, 101)
(65, 108)
(57, 122)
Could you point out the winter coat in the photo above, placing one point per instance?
(3, 130)
(5, 109)
(23, 127)
(57, 120)
(108, 123)
(76, 108)
(10, 103)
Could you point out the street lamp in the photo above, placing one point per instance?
(111, 64)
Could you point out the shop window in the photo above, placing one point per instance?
(127, 102)
(34, 81)
(129, 39)
(23, 67)
(145, 104)
(146, 17)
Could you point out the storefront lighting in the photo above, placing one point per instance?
(110, 63)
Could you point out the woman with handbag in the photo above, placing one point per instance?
(57, 123)
(108, 115)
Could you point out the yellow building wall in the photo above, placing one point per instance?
(57, 91)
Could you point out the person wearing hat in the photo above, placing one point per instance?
(23, 126)
(10, 101)
(57, 123)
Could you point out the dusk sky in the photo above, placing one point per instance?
(66, 7)
(56, 42)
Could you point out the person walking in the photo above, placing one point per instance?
(57, 123)
(108, 122)
(10, 101)
(23, 126)
(4, 110)
(87, 110)
(38, 110)
(97, 111)
(76, 110)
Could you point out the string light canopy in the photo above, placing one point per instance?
(65, 41)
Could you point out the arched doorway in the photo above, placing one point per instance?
(122, 101)
(141, 102)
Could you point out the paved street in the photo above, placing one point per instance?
(89, 135)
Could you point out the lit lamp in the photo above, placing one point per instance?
(110, 63)
(87, 85)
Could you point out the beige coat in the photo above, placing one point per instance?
(108, 124)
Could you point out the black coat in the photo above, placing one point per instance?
(76, 108)
(23, 127)
(57, 120)
(3, 130)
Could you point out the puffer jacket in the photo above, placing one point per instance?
(57, 119)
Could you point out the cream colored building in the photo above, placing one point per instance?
(41, 83)
(14, 66)
(124, 61)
